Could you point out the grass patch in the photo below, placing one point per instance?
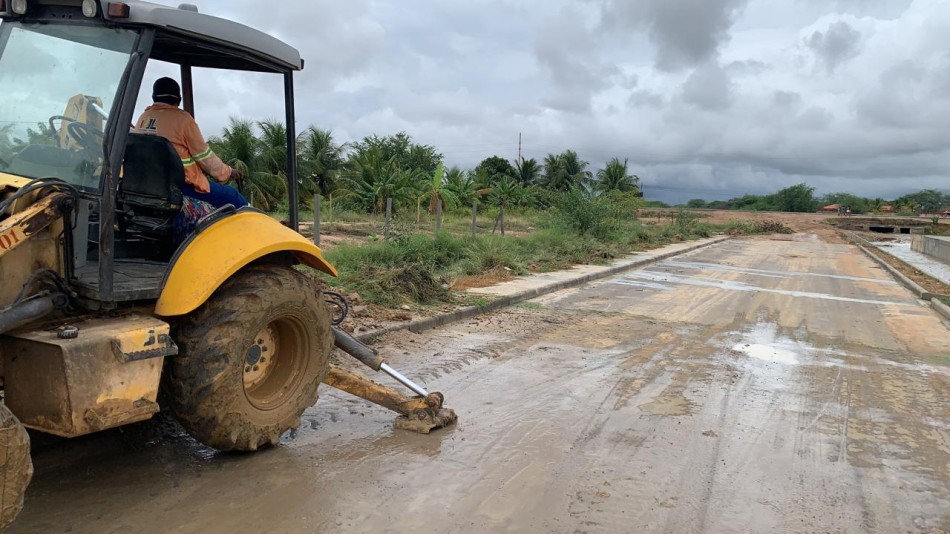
(415, 266)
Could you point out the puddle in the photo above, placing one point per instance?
(768, 353)
(764, 343)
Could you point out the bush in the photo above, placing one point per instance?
(744, 227)
(608, 216)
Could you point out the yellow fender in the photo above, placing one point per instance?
(221, 250)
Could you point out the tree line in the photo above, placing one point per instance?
(362, 174)
(801, 198)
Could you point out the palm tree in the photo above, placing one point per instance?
(462, 184)
(529, 172)
(438, 194)
(553, 174)
(615, 177)
(436, 191)
(370, 179)
(273, 152)
(575, 169)
(506, 191)
(239, 147)
(565, 171)
(321, 158)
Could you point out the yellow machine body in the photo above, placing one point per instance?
(221, 250)
(25, 249)
(106, 376)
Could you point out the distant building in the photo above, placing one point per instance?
(887, 208)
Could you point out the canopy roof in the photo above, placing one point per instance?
(185, 36)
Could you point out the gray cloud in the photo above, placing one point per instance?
(706, 98)
(746, 68)
(709, 88)
(685, 32)
(896, 99)
(815, 118)
(645, 98)
(835, 45)
(567, 50)
(786, 99)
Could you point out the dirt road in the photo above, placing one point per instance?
(754, 386)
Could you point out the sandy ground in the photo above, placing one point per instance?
(760, 385)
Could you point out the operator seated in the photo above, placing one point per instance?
(166, 119)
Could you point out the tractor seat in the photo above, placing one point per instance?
(149, 195)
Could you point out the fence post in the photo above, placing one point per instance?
(389, 216)
(316, 218)
(438, 215)
(474, 217)
(501, 216)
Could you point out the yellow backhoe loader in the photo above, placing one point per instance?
(103, 299)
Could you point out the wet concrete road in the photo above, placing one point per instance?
(754, 386)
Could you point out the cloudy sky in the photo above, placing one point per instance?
(706, 98)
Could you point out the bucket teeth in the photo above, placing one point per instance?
(425, 421)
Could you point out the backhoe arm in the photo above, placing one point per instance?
(16, 229)
(421, 413)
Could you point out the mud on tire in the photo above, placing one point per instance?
(16, 468)
(251, 358)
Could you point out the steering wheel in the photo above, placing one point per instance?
(84, 134)
(87, 136)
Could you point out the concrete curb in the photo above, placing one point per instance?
(460, 314)
(920, 292)
(940, 307)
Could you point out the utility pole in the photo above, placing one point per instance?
(519, 147)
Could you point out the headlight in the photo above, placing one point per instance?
(18, 7)
(90, 8)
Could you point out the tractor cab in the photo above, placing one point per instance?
(102, 298)
(71, 72)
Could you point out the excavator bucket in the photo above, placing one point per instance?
(422, 413)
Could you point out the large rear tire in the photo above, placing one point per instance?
(251, 358)
(16, 468)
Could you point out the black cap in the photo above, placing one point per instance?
(166, 90)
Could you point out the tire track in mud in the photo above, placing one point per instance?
(602, 409)
(528, 384)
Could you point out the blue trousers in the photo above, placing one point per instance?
(219, 195)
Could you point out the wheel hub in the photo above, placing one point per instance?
(260, 358)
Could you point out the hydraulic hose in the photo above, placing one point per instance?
(26, 312)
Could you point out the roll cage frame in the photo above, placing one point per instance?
(174, 36)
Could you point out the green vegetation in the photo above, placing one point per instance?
(797, 198)
(419, 267)
(800, 198)
(360, 176)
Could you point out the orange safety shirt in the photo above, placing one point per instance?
(176, 125)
